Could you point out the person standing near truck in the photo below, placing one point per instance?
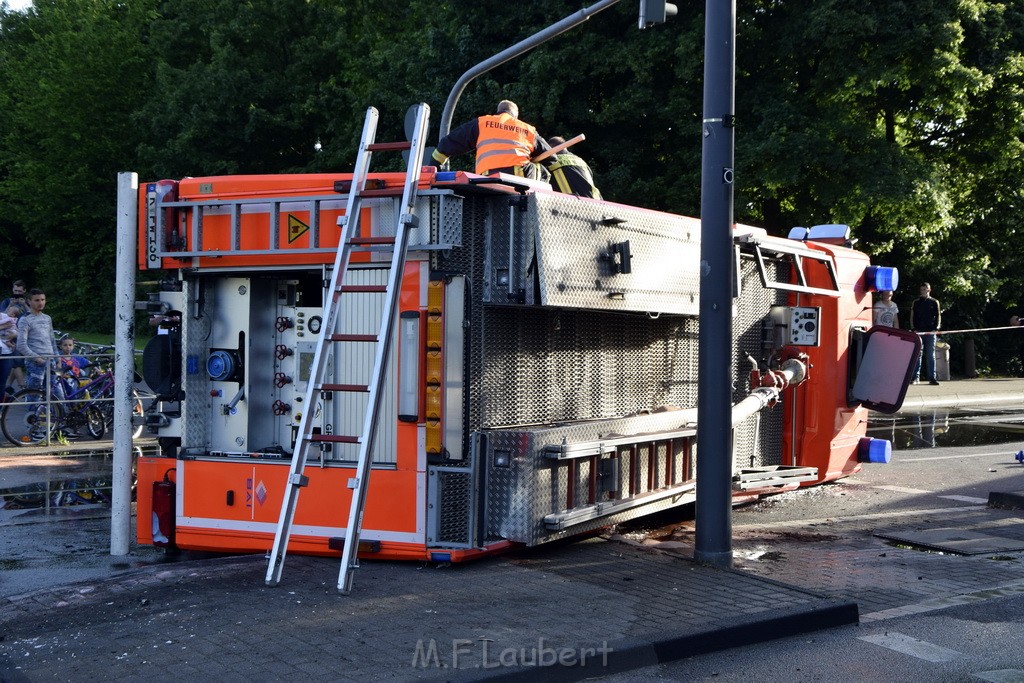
(35, 339)
(16, 373)
(885, 313)
(926, 319)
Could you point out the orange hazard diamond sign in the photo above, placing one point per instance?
(296, 228)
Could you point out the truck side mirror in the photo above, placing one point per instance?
(885, 368)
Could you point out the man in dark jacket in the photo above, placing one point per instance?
(503, 144)
(926, 319)
(571, 174)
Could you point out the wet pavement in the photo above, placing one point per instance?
(804, 560)
(942, 427)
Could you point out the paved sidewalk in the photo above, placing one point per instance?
(965, 393)
(581, 610)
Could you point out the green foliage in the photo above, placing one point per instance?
(903, 119)
(75, 71)
(244, 87)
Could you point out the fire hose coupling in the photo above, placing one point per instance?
(768, 379)
(790, 367)
(229, 407)
(792, 362)
(768, 396)
(795, 369)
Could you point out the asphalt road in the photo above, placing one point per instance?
(821, 538)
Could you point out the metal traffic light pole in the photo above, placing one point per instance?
(713, 541)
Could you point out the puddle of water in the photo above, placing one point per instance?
(947, 429)
(56, 480)
(57, 493)
(918, 548)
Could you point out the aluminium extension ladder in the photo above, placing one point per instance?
(349, 240)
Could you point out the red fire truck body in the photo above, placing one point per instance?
(543, 379)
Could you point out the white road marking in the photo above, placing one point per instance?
(967, 499)
(954, 457)
(1001, 676)
(1008, 589)
(901, 489)
(912, 646)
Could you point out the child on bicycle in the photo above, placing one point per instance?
(68, 361)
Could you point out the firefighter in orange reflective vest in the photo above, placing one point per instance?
(571, 174)
(503, 144)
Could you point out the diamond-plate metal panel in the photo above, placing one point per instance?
(440, 219)
(502, 284)
(583, 474)
(535, 365)
(581, 257)
(643, 469)
(446, 220)
(197, 407)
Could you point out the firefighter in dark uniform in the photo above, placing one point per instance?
(503, 144)
(570, 174)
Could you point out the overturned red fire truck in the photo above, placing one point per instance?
(543, 379)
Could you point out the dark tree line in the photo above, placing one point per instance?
(902, 119)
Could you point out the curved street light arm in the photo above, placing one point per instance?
(519, 48)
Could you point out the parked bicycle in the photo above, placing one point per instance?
(71, 406)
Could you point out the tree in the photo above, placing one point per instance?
(903, 119)
(250, 87)
(74, 72)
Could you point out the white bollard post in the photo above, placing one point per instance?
(124, 363)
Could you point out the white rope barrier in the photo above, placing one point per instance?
(973, 329)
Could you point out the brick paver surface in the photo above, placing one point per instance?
(406, 621)
(402, 621)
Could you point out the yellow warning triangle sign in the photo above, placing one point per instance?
(296, 228)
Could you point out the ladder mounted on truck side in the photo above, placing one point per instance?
(339, 291)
